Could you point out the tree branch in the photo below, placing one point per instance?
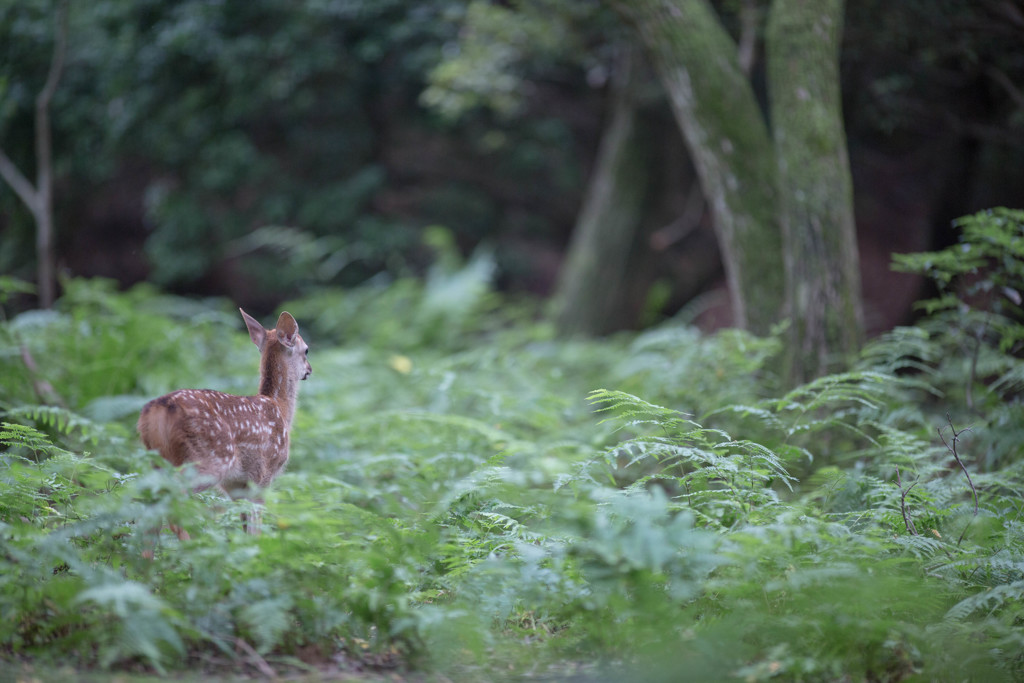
(956, 456)
(43, 141)
(257, 660)
(44, 160)
(44, 390)
(18, 182)
(1004, 81)
(60, 48)
(748, 36)
(911, 529)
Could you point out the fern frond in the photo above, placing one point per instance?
(900, 350)
(30, 438)
(62, 420)
(764, 416)
(868, 389)
(765, 456)
(634, 409)
(988, 601)
(921, 546)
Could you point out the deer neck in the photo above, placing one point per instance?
(276, 384)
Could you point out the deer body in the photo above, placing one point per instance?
(231, 440)
(234, 441)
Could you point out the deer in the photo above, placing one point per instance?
(234, 442)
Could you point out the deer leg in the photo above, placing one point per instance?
(151, 536)
(251, 521)
(207, 478)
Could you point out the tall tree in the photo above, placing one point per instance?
(592, 281)
(780, 196)
(39, 198)
(815, 187)
(728, 139)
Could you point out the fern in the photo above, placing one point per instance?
(29, 439)
(635, 410)
(720, 478)
(143, 624)
(458, 502)
(1000, 597)
(77, 430)
(268, 619)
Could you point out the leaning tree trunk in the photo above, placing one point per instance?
(592, 283)
(815, 188)
(728, 140)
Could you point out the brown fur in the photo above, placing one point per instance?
(234, 441)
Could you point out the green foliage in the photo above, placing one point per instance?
(495, 42)
(231, 117)
(977, 323)
(451, 308)
(104, 344)
(981, 274)
(456, 504)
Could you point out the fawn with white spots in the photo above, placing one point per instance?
(233, 441)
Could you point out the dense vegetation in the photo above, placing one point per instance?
(469, 496)
(338, 130)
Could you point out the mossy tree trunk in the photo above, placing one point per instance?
(815, 188)
(592, 282)
(729, 142)
(781, 199)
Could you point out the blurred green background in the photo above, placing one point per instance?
(257, 149)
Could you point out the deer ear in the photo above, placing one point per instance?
(287, 329)
(256, 331)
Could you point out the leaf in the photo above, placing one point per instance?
(268, 620)
(144, 623)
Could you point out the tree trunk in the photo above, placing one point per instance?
(728, 139)
(39, 199)
(591, 285)
(44, 162)
(815, 188)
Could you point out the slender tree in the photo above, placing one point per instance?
(593, 278)
(39, 198)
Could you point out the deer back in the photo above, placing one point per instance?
(231, 440)
(234, 440)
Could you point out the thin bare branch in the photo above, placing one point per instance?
(44, 390)
(60, 49)
(18, 182)
(911, 529)
(956, 455)
(681, 227)
(256, 658)
(1006, 84)
(43, 140)
(748, 36)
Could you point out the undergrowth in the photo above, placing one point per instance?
(469, 496)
